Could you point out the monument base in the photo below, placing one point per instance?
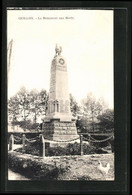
(59, 132)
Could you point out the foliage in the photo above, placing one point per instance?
(88, 112)
(74, 106)
(13, 108)
(91, 106)
(107, 120)
(25, 106)
(39, 102)
(91, 109)
(89, 149)
(69, 149)
(83, 125)
(26, 125)
(33, 168)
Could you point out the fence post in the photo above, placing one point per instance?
(112, 144)
(11, 142)
(40, 145)
(43, 141)
(81, 145)
(89, 140)
(23, 143)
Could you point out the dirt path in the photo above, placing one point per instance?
(15, 146)
(15, 176)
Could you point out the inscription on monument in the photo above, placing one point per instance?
(62, 68)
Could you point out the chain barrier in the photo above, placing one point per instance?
(99, 141)
(31, 140)
(62, 140)
(86, 139)
(34, 138)
(17, 140)
(16, 137)
(94, 140)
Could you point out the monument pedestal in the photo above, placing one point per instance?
(58, 130)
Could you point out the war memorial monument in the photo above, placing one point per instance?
(59, 124)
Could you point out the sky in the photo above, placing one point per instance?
(86, 37)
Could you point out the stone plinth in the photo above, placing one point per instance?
(57, 130)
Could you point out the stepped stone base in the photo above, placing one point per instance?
(60, 131)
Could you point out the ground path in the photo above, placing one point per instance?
(15, 176)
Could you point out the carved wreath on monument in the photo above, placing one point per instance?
(61, 61)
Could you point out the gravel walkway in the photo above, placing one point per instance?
(15, 176)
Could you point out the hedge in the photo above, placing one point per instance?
(33, 167)
(69, 149)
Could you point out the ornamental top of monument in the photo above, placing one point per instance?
(58, 49)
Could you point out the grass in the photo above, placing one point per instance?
(85, 167)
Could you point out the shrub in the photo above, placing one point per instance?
(30, 148)
(88, 149)
(73, 149)
(32, 167)
(26, 124)
(55, 151)
(69, 149)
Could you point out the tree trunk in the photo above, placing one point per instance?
(35, 117)
(93, 121)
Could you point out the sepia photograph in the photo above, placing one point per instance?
(60, 94)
